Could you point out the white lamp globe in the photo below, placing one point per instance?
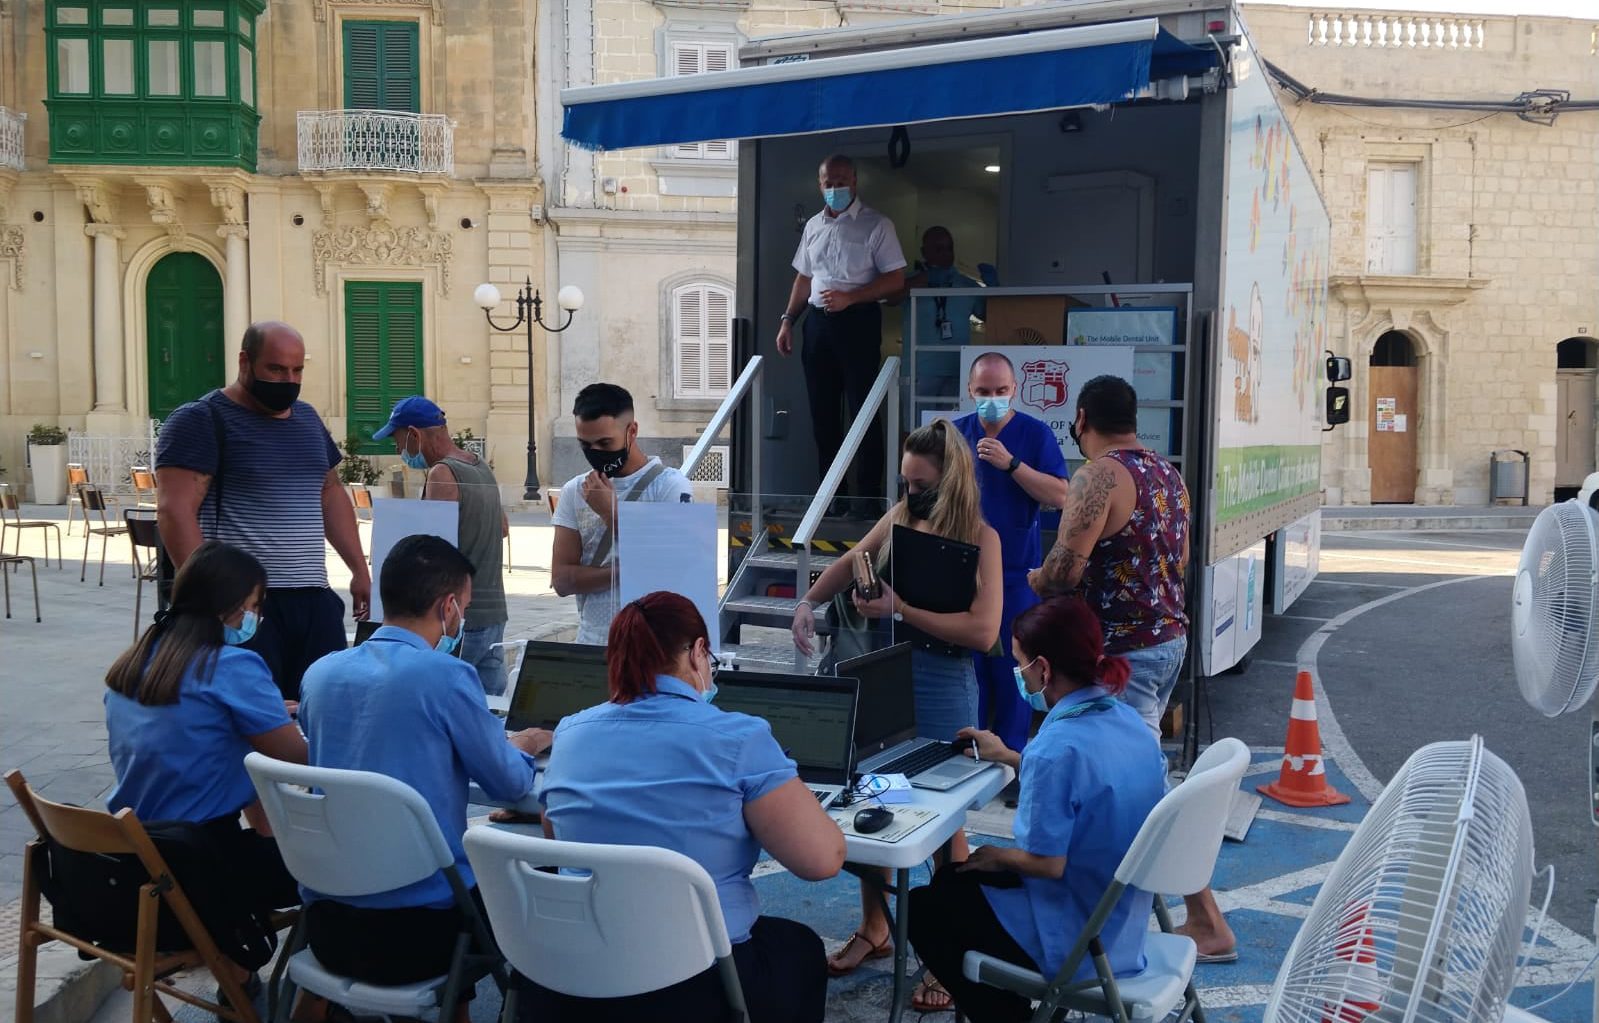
(570, 298)
(487, 296)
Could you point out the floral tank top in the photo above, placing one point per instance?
(1134, 578)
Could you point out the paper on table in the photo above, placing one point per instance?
(394, 519)
(888, 788)
(668, 547)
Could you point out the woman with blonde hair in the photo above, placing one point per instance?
(941, 499)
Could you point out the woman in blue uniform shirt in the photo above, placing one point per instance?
(1088, 779)
(712, 785)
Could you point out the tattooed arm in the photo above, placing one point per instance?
(1087, 509)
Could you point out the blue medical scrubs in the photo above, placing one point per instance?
(1089, 779)
(1015, 517)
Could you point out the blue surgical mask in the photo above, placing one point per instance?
(709, 696)
(992, 410)
(447, 643)
(1034, 700)
(940, 276)
(240, 635)
(414, 461)
(838, 199)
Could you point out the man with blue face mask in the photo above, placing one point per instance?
(848, 260)
(1020, 469)
(422, 440)
(941, 320)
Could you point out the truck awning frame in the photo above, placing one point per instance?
(1012, 74)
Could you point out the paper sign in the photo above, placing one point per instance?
(669, 547)
(394, 519)
(1388, 405)
(1401, 421)
(1146, 326)
(1048, 378)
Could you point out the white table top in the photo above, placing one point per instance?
(951, 807)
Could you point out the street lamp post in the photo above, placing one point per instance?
(529, 310)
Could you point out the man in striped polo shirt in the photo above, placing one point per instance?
(253, 466)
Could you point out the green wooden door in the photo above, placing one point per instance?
(186, 349)
(381, 69)
(383, 353)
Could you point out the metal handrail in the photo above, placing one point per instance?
(748, 385)
(375, 140)
(12, 156)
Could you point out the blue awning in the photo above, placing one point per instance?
(1020, 73)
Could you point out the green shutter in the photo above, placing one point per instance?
(381, 67)
(383, 352)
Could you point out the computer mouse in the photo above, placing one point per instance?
(873, 819)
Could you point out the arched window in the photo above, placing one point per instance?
(1393, 349)
(1577, 353)
(702, 340)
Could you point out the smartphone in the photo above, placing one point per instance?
(866, 582)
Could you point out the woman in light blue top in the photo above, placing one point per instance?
(1088, 781)
(658, 765)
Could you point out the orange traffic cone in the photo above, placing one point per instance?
(1303, 778)
(1356, 946)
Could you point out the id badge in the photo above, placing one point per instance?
(946, 330)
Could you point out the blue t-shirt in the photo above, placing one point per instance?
(688, 771)
(272, 475)
(396, 706)
(1087, 783)
(1006, 506)
(185, 760)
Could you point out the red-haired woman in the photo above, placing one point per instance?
(1088, 780)
(659, 765)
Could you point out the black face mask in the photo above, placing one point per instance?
(608, 462)
(921, 505)
(275, 395)
(1071, 431)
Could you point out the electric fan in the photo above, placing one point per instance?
(1552, 612)
(1421, 918)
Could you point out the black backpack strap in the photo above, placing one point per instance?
(220, 430)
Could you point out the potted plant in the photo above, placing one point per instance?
(47, 460)
(356, 469)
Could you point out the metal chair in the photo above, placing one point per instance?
(361, 497)
(145, 967)
(146, 540)
(77, 476)
(94, 500)
(353, 833)
(5, 578)
(143, 486)
(641, 919)
(1174, 853)
(15, 521)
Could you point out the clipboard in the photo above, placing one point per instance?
(933, 573)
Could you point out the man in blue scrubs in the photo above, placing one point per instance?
(1020, 468)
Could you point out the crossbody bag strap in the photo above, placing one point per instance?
(603, 551)
(220, 431)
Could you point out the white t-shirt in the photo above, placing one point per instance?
(848, 251)
(595, 610)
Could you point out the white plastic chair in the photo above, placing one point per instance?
(642, 918)
(353, 833)
(1174, 853)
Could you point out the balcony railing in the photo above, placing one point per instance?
(11, 139)
(389, 141)
(1396, 31)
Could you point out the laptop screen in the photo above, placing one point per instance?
(812, 718)
(364, 630)
(886, 714)
(556, 679)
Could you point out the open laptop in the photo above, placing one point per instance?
(556, 679)
(885, 725)
(364, 630)
(812, 718)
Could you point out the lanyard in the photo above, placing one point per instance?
(940, 310)
(1077, 710)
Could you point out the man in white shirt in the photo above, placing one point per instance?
(848, 260)
(583, 560)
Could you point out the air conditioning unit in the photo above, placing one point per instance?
(714, 468)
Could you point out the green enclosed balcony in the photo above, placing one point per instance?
(153, 82)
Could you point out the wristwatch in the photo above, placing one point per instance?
(786, 318)
(898, 617)
(1015, 463)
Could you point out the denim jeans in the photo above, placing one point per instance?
(1155, 670)
(478, 650)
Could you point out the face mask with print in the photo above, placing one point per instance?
(1034, 700)
(921, 505)
(838, 199)
(992, 410)
(608, 463)
(447, 643)
(414, 461)
(240, 635)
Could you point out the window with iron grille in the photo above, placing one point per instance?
(702, 340)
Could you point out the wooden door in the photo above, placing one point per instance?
(1391, 440)
(1574, 444)
(183, 321)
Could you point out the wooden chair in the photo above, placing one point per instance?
(11, 519)
(146, 969)
(146, 539)
(77, 476)
(94, 500)
(16, 560)
(143, 486)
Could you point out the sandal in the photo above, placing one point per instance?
(923, 999)
(836, 964)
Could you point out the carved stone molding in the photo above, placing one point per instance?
(326, 193)
(166, 204)
(380, 246)
(320, 10)
(96, 198)
(104, 231)
(11, 245)
(431, 194)
(233, 231)
(377, 200)
(8, 179)
(229, 199)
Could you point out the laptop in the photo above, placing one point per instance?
(885, 725)
(364, 630)
(556, 679)
(812, 718)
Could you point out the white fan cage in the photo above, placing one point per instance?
(1422, 916)
(1553, 638)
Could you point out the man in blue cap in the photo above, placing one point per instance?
(422, 440)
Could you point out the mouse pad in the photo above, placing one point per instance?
(906, 820)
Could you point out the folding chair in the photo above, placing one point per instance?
(640, 920)
(5, 577)
(146, 540)
(9, 503)
(1174, 853)
(144, 973)
(94, 500)
(77, 476)
(143, 486)
(353, 833)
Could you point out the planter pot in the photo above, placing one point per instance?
(49, 472)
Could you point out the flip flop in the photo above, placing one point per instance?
(929, 986)
(882, 951)
(1230, 956)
